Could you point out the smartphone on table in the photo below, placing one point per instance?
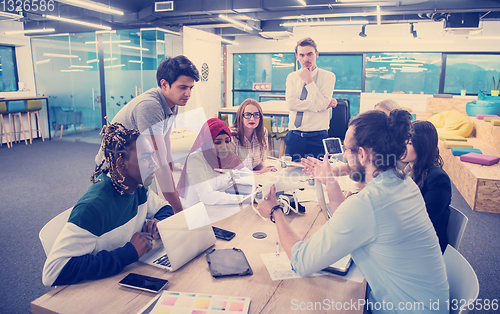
(145, 283)
(223, 234)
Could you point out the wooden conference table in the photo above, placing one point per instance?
(267, 296)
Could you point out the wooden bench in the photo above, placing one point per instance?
(479, 185)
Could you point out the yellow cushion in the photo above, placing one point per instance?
(450, 144)
(488, 119)
(495, 121)
(452, 122)
(3, 107)
(452, 138)
(34, 105)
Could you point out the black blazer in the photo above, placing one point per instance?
(437, 196)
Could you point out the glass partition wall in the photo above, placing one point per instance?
(67, 70)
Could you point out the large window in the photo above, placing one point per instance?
(8, 69)
(471, 72)
(348, 70)
(403, 72)
(249, 68)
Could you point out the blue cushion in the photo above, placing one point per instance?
(483, 105)
(459, 151)
(16, 106)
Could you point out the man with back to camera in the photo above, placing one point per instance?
(153, 113)
(385, 227)
(114, 223)
(309, 94)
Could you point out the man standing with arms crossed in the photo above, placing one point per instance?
(153, 114)
(309, 94)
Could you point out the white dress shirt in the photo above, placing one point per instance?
(319, 94)
(387, 231)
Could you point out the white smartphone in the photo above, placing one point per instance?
(333, 146)
(145, 283)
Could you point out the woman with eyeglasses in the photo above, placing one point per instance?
(250, 137)
(206, 175)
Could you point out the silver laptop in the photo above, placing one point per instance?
(325, 207)
(184, 235)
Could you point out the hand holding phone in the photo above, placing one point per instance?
(145, 283)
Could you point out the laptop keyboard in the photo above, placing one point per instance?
(163, 260)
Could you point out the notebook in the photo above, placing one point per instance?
(184, 235)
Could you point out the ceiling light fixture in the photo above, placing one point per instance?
(81, 66)
(313, 16)
(134, 61)
(325, 23)
(57, 55)
(366, 3)
(89, 5)
(107, 32)
(276, 34)
(363, 31)
(132, 47)
(302, 2)
(43, 61)
(244, 26)
(11, 15)
(108, 42)
(114, 66)
(31, 31)
(63, 19)
(160, 29)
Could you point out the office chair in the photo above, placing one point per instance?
(268, 125)
(456, 227)
(462, 279)
(340, 119)
(51, 230)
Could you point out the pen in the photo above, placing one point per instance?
(277, 248)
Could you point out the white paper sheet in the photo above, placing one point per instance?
(279, 268)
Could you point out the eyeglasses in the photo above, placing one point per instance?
(248, 115)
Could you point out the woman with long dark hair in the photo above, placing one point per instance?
(425, 167)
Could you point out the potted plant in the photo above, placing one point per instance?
(464, 84)
(494, 88)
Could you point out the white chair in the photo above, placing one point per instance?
(456, 227)
(51, 230)
(462, 279)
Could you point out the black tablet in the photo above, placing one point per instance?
(228, 262)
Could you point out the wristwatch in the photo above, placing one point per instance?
(272, 211)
